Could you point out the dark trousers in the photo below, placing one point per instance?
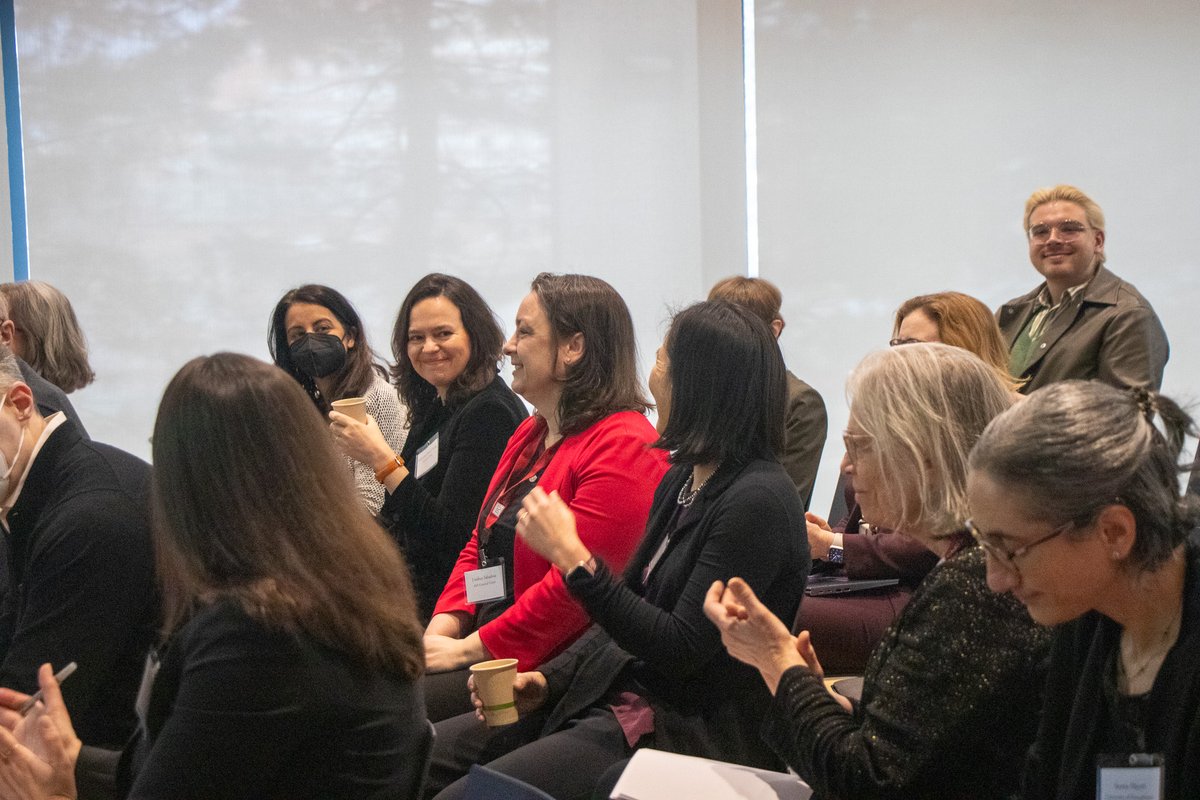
(446, 694)
(566, 764)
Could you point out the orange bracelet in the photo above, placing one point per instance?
(396, 463)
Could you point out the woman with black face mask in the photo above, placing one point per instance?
(316, 336)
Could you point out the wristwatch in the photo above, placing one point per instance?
(835, 554)
(581, 571)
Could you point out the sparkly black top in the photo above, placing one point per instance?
(950, 699)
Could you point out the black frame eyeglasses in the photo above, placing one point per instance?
(1008, 558)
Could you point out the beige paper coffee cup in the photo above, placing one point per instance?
(494, 685)
(352, 407)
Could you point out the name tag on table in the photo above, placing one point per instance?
(427, 456)
(485, 585)
(1129, 776)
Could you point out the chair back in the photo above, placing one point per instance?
(425, 754)
(487, 784)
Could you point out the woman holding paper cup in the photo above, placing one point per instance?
(1075, 499)
(447, 347)
(316, 336)
(292, 664)
(651, 671)
(574, 359)
(950, 700)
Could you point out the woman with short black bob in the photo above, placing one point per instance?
(447, 347)
(316, 336)
(725, 507)
(294, 649)
(1075, 498)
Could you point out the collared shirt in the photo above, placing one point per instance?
(52, 423)
(1044, 310)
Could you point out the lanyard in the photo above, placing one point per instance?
(529, 467)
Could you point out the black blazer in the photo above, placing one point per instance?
(652, 636)
(81, 572)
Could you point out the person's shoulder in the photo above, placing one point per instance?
(225, 625)
(84, 465)
(381, 391)
(495, 397)
(618, 425)
(765, 486)
(1115, 289)
(1023, 299)
(963, 576)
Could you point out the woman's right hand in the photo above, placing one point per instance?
(750, 632)
(529, 693)
(37, 757)
(363, 443)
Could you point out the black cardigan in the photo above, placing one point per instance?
(1062, 762)
(653, 637)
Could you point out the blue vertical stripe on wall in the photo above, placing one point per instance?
(16, 153)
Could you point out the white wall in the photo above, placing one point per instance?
(186, 167)
(899, 139)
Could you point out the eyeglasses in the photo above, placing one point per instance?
(906, 340)
(1008, 558)
(856, 443)
(1067, 229)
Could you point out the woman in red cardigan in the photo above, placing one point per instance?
(573, 356)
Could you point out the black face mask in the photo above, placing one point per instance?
(318, 355)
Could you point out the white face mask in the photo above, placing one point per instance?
(6, 478)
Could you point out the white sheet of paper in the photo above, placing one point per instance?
(656, 775)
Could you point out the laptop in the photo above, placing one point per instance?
(822, 585)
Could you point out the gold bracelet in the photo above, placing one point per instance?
(396, 463)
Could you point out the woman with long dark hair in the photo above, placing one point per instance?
(652, 672)
(447, 347)
(316, 336)
(294, 649)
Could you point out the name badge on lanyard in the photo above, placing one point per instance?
(1129, 776)
(427, 456)
(485, 585)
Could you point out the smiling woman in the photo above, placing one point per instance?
(446, 343)
(316, 336)
(574, 359)
(1076, 501)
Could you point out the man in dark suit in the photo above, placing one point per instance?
(1082, 321)
(806, 421)
(79, 566)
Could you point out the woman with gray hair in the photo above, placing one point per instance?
(1076, 501)
(947, 708)
(46, 334)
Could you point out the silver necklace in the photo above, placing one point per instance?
(687, 495)
(1159, 650)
